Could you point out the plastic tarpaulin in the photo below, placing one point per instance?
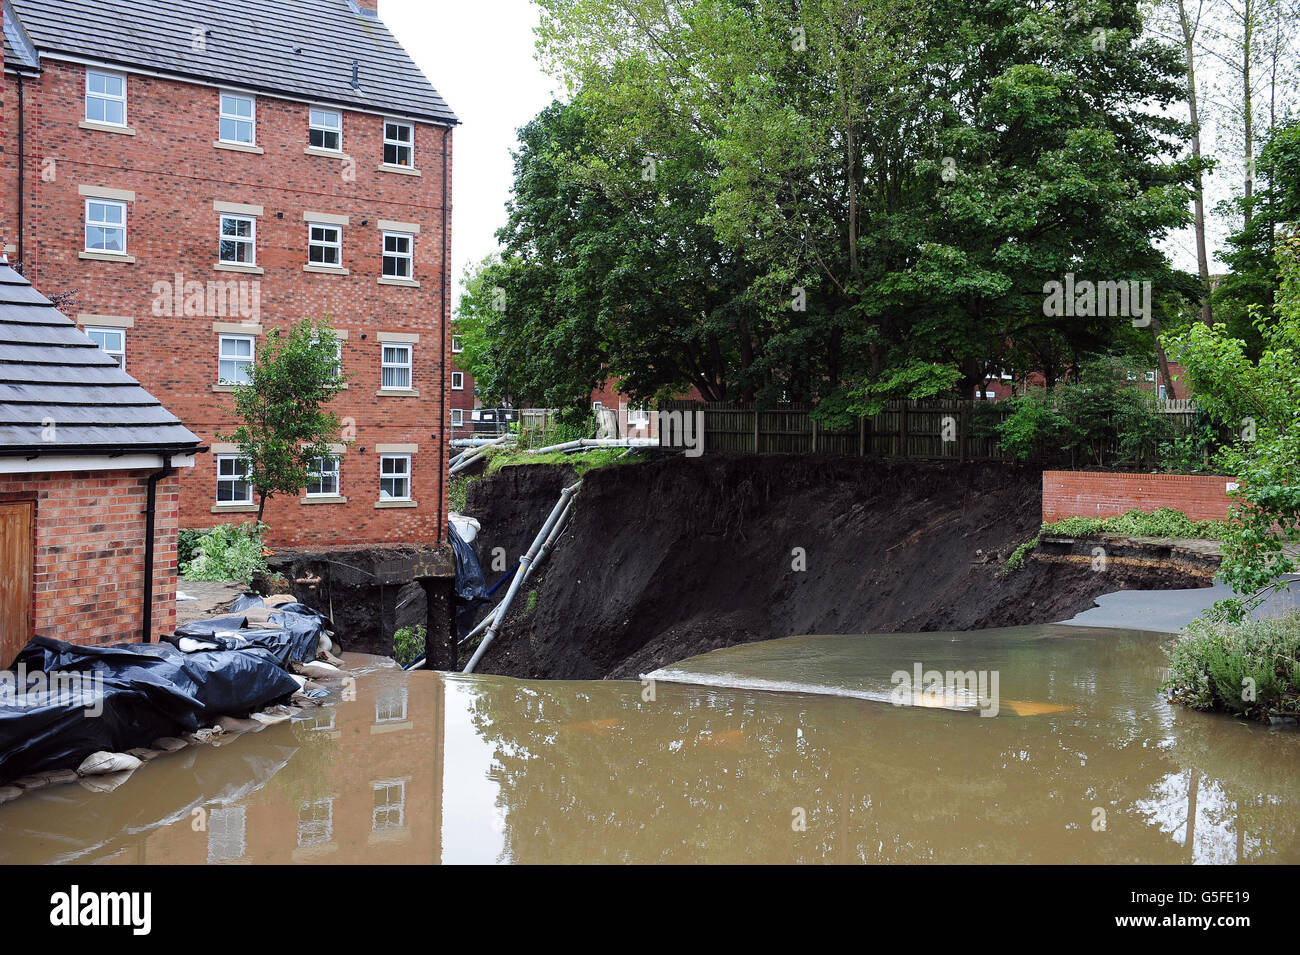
(118, 698)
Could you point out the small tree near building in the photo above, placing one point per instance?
(286, 426)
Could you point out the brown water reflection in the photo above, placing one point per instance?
(424, 768)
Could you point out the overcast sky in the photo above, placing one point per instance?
(480, 56)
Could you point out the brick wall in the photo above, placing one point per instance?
(89, 568)
(1102, 494)
(176, 174)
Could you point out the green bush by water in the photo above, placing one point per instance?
(408, 644)
(227, 552)
(1249, 668)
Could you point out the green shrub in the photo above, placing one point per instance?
(187, 544)
(1165, 522)
(1250, 668)
(408, 644)
(226, 552)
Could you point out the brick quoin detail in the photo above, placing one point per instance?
(89, 573)
(1201, 497)
(176, 174)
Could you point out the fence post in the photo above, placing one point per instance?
(813, 421)
(902, 431)
(862, 436)
(756, 427)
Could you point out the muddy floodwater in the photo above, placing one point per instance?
(728, 757)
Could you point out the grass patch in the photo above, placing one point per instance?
(580, 461)
(1249, 669)
(1165, 522)
(458, 492)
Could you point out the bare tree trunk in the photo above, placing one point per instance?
(1198, 185)
(1248, 111)
(261, 505)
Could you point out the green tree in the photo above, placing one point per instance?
(900, 179)
(285, 424)
(1260, 399)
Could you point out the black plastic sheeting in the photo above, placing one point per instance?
(471, 588)
(145, 691)
(293, 634)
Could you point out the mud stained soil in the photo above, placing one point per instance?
(677, 556)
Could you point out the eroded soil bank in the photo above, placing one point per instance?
(678, 556)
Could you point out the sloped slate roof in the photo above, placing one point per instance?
(18, 49)
(60, 394)
(301, 48)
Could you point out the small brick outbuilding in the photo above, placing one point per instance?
(88, 485)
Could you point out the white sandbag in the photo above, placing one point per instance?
(144, 753)
(190, 645)
(9, 793)
(102, 763)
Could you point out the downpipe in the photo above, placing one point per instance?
(150, 512)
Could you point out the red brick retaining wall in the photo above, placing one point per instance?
(1201, 497)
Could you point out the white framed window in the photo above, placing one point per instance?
(390, 705)
(323, 478)
(390, 805)
(398, 255)
(596, 406)
(105, 97)
(326, 129)
(457, 417)
(395, 484)
(1162, 393)
(316, 823)
(238, 242)
(233, 486)
(1151, 376)
(235, 360)
(238, 119)
(638, 417)
(457, 346)
(399, 144)
(395, 373)
(457, 381)
(106, 226)
(111, 340)
(324, 245)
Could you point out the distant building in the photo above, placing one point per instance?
(90, 468)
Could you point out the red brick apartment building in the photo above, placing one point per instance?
(201, 171)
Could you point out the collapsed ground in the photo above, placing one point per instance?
(677, 556)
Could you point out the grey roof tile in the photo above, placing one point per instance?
(52, 374)
(299, 48)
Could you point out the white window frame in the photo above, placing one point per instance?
(118, 353)
(317, 829)
(320, 472)
(250, 119)
(105, 224)
(387, 786)
(233, 479)
(237, 359)
(324, 128)
(408, 365)
(249, 240)
(638, 417)
(336, 244)
(227, 826)
(105, 98)
(394, 476)
(457, 346)
(458, 417)
(399, 144)
(408, 256)
(457, 376)
(391, 705)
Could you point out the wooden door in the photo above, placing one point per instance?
(17, 559)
